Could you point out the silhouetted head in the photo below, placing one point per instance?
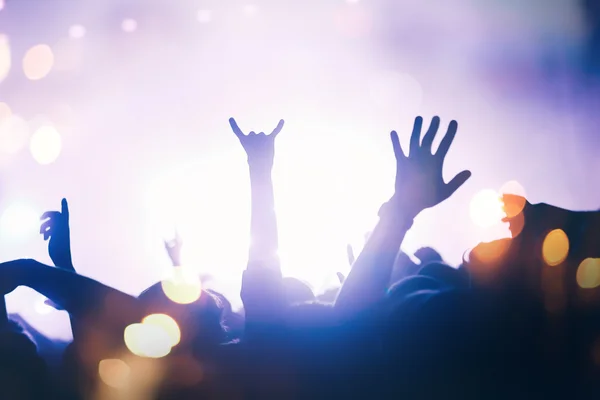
(448, 276)
(200, 322)
(428, 255)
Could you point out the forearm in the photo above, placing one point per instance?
(264, 241)
(370, 275)
(83, 298)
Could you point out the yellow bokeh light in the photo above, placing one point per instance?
(149, 341)
(486, 208)
(166, 323)
(5, 57)
(556, 247)
(114, 373)
(45, 145)
(514, 198)
(38, 62)
(183, 286)
(588, 273)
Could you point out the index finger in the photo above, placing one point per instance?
(64, 208)
(236, 129)
(278, 128)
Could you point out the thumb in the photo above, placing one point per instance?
(64, 209)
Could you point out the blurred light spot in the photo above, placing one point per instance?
(14, 133)
(166, 323)
(352, 1)
(250, 10)
(182, 286)
(114, 373)
(45, 145)
(489, 252)
(38, 62)
(77, 31)
(19, 221)
(147, 340)
(513, 197)
(2, 5)
(556, 247)
(486, 209)
(42, 308)
(588, 273)
(5, 57)
(397, 91)
(5, 111)
(129, 25)
(204, 16)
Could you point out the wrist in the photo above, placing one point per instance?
(398, 209)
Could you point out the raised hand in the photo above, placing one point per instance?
(174, 249)
(419, 175)
(56, 228)
(259, 147)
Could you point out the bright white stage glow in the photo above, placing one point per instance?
(209, 204)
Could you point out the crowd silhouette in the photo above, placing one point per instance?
(509, 322)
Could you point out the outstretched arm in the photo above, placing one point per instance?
(262, 290)
(85, 299)
(419, 185)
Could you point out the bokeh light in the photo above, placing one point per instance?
(489, 252)
(588, 273)
(38, 62)
(486, 209)
(204, 16)
(77, 31)
(45, 145)
(114, 373)
(556, 247)
(182, 286)
(515, 200)
(2, 4)
(14, 132)
(166, 323)
(129, 25)
(149, 341)
(19, 221)
(5, 57)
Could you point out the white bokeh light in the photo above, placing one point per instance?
(45, 145)
(5, 57)
(77, 31)
(19, 221)
(486, 208)
(129, 25)
(38, 62)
